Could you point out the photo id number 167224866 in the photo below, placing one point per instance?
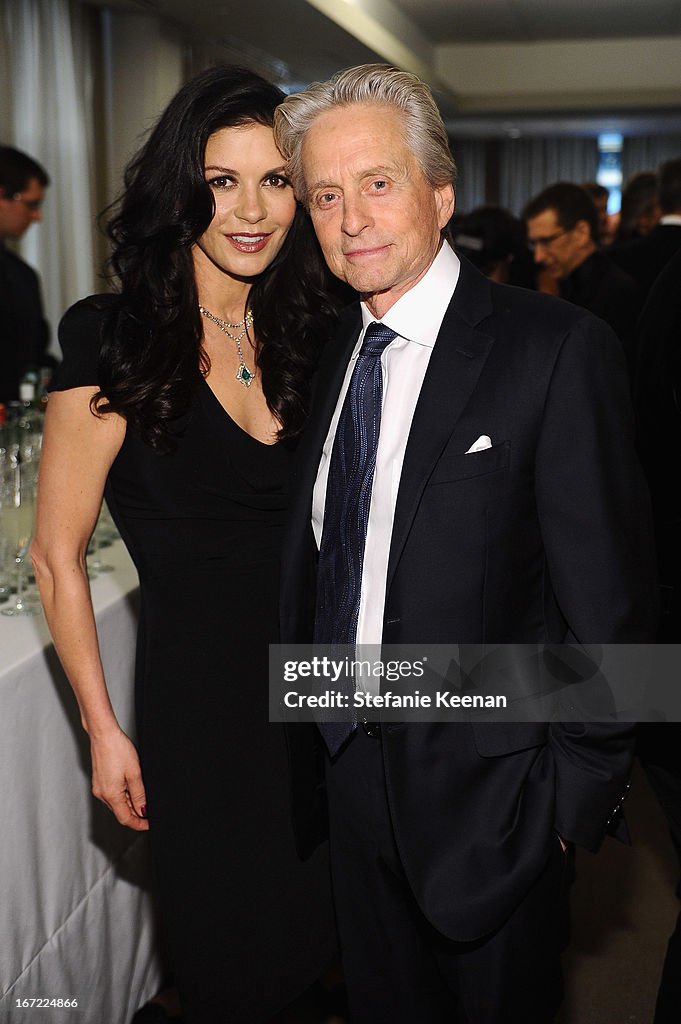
(45, 1003)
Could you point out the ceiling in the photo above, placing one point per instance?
(490, 21)
(579, 66)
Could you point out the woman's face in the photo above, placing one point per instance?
(254, 202)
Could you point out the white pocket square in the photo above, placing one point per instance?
(483, 442)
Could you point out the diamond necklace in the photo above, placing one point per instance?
(243, 374)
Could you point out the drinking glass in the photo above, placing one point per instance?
(103, 536)
(5, 568)
(17, 519)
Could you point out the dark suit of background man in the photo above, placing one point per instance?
(506, 506)
(657, 401)
(563, 231)
(645, 258)
(24, 334)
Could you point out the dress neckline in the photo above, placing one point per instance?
(228, 416)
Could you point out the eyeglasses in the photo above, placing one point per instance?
(532, 243)
(31, 204)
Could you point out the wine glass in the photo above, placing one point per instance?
(5, 574)
(101, 538)
(17, 519)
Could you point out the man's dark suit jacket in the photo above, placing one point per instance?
(645, 258)
(545, 536)
(24, 334)
(657, 403)
(603, 288)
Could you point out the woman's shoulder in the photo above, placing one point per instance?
(81, 338)
(87, 316)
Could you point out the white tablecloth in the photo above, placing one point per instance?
(76, 913)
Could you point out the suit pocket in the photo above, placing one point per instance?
(463, 467)
(494, 739)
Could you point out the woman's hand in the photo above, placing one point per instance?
(117, 778)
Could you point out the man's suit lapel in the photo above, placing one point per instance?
(455, 365)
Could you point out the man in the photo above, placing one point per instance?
(23, 329)
(562, 230)
(656, 401)
(645, 258)
(657, 387)
(600, 196)
(505, 506)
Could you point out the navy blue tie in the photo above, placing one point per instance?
(346, 511)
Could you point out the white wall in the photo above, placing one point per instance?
(78, 88)
(143, 66)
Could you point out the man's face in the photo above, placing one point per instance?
(18, 211)
(377, 218)
(559, 250)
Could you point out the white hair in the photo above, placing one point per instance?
(379, 84)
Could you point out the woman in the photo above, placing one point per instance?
(179, 398)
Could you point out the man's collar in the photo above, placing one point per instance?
(578, 278)
(418, 314)
(583, 269)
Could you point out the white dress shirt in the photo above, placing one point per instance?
(416, 317)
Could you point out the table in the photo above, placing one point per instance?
(77, 917)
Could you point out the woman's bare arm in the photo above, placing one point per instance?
(78, 450)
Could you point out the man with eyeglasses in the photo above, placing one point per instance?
(24, 333)
(562, 231)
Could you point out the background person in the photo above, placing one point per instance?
(645, 258)
(657, 401)
(24, 334)
(640, 209)
(181, 398)
(495, 242)
(600, 196)
(562, 230)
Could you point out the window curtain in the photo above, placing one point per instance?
(47, 111)
(647, 152)
(528, 165)
(469, 155)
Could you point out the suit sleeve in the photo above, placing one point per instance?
(597, 531)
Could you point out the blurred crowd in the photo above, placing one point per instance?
(626, 269)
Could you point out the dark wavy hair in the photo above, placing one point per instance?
(151, 359)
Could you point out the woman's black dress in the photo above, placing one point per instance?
(250, 925)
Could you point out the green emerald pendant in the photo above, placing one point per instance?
(245, 375)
